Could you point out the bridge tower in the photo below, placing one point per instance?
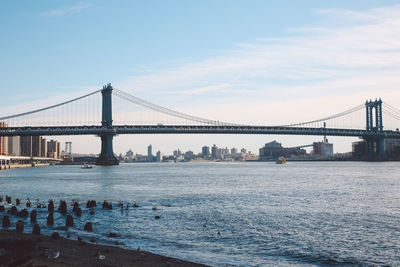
(107, 154)
(375, 146)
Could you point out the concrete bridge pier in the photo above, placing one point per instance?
(107, 157)
(375, 148)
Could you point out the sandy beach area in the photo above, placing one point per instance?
(17, 249)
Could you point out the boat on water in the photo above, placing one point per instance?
(280, 160)
(86, 166)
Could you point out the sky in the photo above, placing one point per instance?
(251, 62)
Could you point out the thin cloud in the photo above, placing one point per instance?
(77, 8)
(328, 59)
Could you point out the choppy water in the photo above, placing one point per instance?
(300, 213)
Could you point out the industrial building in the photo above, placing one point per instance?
(274, 150)
(323, 148)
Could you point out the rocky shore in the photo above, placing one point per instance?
(19, 249)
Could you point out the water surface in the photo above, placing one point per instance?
(240, 214)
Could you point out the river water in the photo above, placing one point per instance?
(231, 214)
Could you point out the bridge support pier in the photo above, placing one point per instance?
(375, 149)
(106, 156)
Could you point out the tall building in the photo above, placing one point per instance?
(214, 152)
(43, 148)
(68, 148)
(149, 153)
(3, 141)
(205, 152)
(26, 145)
(14, 146)
(58, 144)
(36, 146)
(158, 156)
(233, 151)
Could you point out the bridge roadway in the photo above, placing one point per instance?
(191, 129)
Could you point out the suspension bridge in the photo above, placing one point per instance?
(92, 114)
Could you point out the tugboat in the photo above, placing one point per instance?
(86, 166)
(280, 160)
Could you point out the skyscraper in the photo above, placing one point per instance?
(205, 152)
(214, 151)
(158, 156)
(43, 151)
(149, 153)
(26, 146)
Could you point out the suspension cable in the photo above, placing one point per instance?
(49, 107)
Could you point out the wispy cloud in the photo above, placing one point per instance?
(330, 59)
(77, 8)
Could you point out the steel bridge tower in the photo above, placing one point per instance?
(107, 154)
(375, 146)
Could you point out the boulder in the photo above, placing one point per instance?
(50, 219)
(19, 227)
(6, 222)
(50, 207)
(88, 227)
(36, 230)
(33, 216)
(63, 207)
(69, 221)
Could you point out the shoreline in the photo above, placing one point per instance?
(37, 250)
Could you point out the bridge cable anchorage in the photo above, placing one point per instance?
(338, 115)
(47, 108)
(157, 108)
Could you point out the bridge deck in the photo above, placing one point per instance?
(191, 129)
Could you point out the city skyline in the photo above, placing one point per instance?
(274, 63)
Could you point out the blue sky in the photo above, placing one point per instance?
(226, 60)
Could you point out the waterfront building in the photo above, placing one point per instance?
(274, 150)
(243, 151)
(189, 155)
(226, 151)
(233, 151)
(158, 156)
(149, 153)
(68, 148)
(214, 151)
(323, 148)
(3, 141)
(43, 149)
(205, 152)
(53, 149)
(26, 145)
(36, 146)
(129, 155)
(177, 153)
(14, 146)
